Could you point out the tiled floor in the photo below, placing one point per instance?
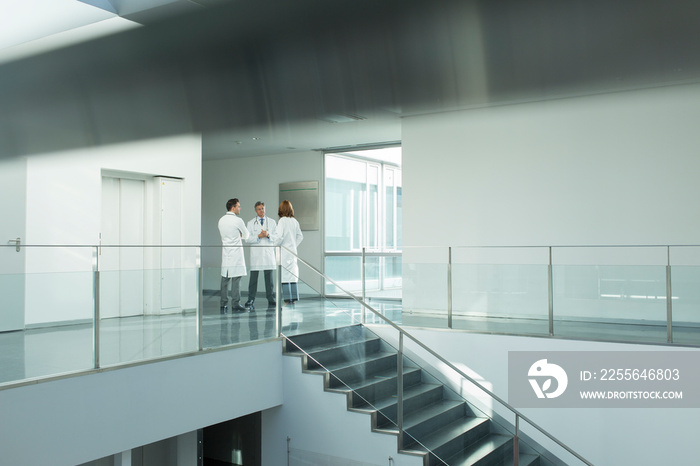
(56, 350)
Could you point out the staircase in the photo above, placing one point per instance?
(438, 424)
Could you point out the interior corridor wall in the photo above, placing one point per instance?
(253, 179)
(63, 207)
(606, 169)
(13, 188)
(610, 169)
(73, 420)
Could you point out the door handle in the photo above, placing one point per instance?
(17, 243)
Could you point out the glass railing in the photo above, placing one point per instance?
(76, 309)
(72, 309)
(367, 273)
(635, 294)
(383, 373)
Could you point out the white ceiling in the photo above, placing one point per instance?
(29, 27)
(26, 20)
(300, 136)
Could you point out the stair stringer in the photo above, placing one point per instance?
(409, 367)
(363, 432)
(475, 398)
(342, 348)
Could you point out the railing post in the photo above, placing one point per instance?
(399, 394)
(364, 287)
(550, 294)
(96, 308)
(200, 308)
(669, 298)
(516, 441)
(278, 291)
(449, 287)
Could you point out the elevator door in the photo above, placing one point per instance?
(122, 268)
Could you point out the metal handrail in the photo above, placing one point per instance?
(402, 332)
(399, 401)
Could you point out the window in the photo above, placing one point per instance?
(363, 210)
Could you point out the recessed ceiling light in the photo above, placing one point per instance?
(341, 118)
(256, 139)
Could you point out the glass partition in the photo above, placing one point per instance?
(382, 274)
(610, 293)
(685, 285)
(223, 327)
(346, 271)
(425, 287)
(501, 290)
(149, 297)
(47, 310)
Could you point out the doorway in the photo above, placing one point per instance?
(234, 443)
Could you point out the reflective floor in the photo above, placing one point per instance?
(62, 349)
(56, 350)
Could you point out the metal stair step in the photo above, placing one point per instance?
(492, 450)
(524, 460)
(326, 338)
(380, 386)
(345, 372)
(456, 436)
(420, 424)
(352, 352)
(385, 410)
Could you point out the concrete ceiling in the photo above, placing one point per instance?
(280, 70)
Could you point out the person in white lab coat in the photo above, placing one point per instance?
(288, 234)
(233, 231)
(261, 258)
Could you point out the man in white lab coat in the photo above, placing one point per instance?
(261, 258)
(233, 232)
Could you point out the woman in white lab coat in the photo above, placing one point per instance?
(288, 234)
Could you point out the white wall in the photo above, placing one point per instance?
(601, 435)
(13, 184)
(74, 420)
(63, 207)
(607, 169)
(612, 169)
(320, 427)
(250, 180)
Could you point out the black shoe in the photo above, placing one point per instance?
(237, 308)
(223, 310)
(249, 303)
(271, 302)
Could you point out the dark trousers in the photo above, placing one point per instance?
(253, 285)
(235, 292)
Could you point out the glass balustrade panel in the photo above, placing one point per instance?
(501, 290)
(46, 315)
(685, 286)
(616, 294)
(345, 273)
(149, 299)
(222, 323)
(424, 287)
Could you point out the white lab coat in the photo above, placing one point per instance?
(288, 234)
(261, 258)
(232, 230)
